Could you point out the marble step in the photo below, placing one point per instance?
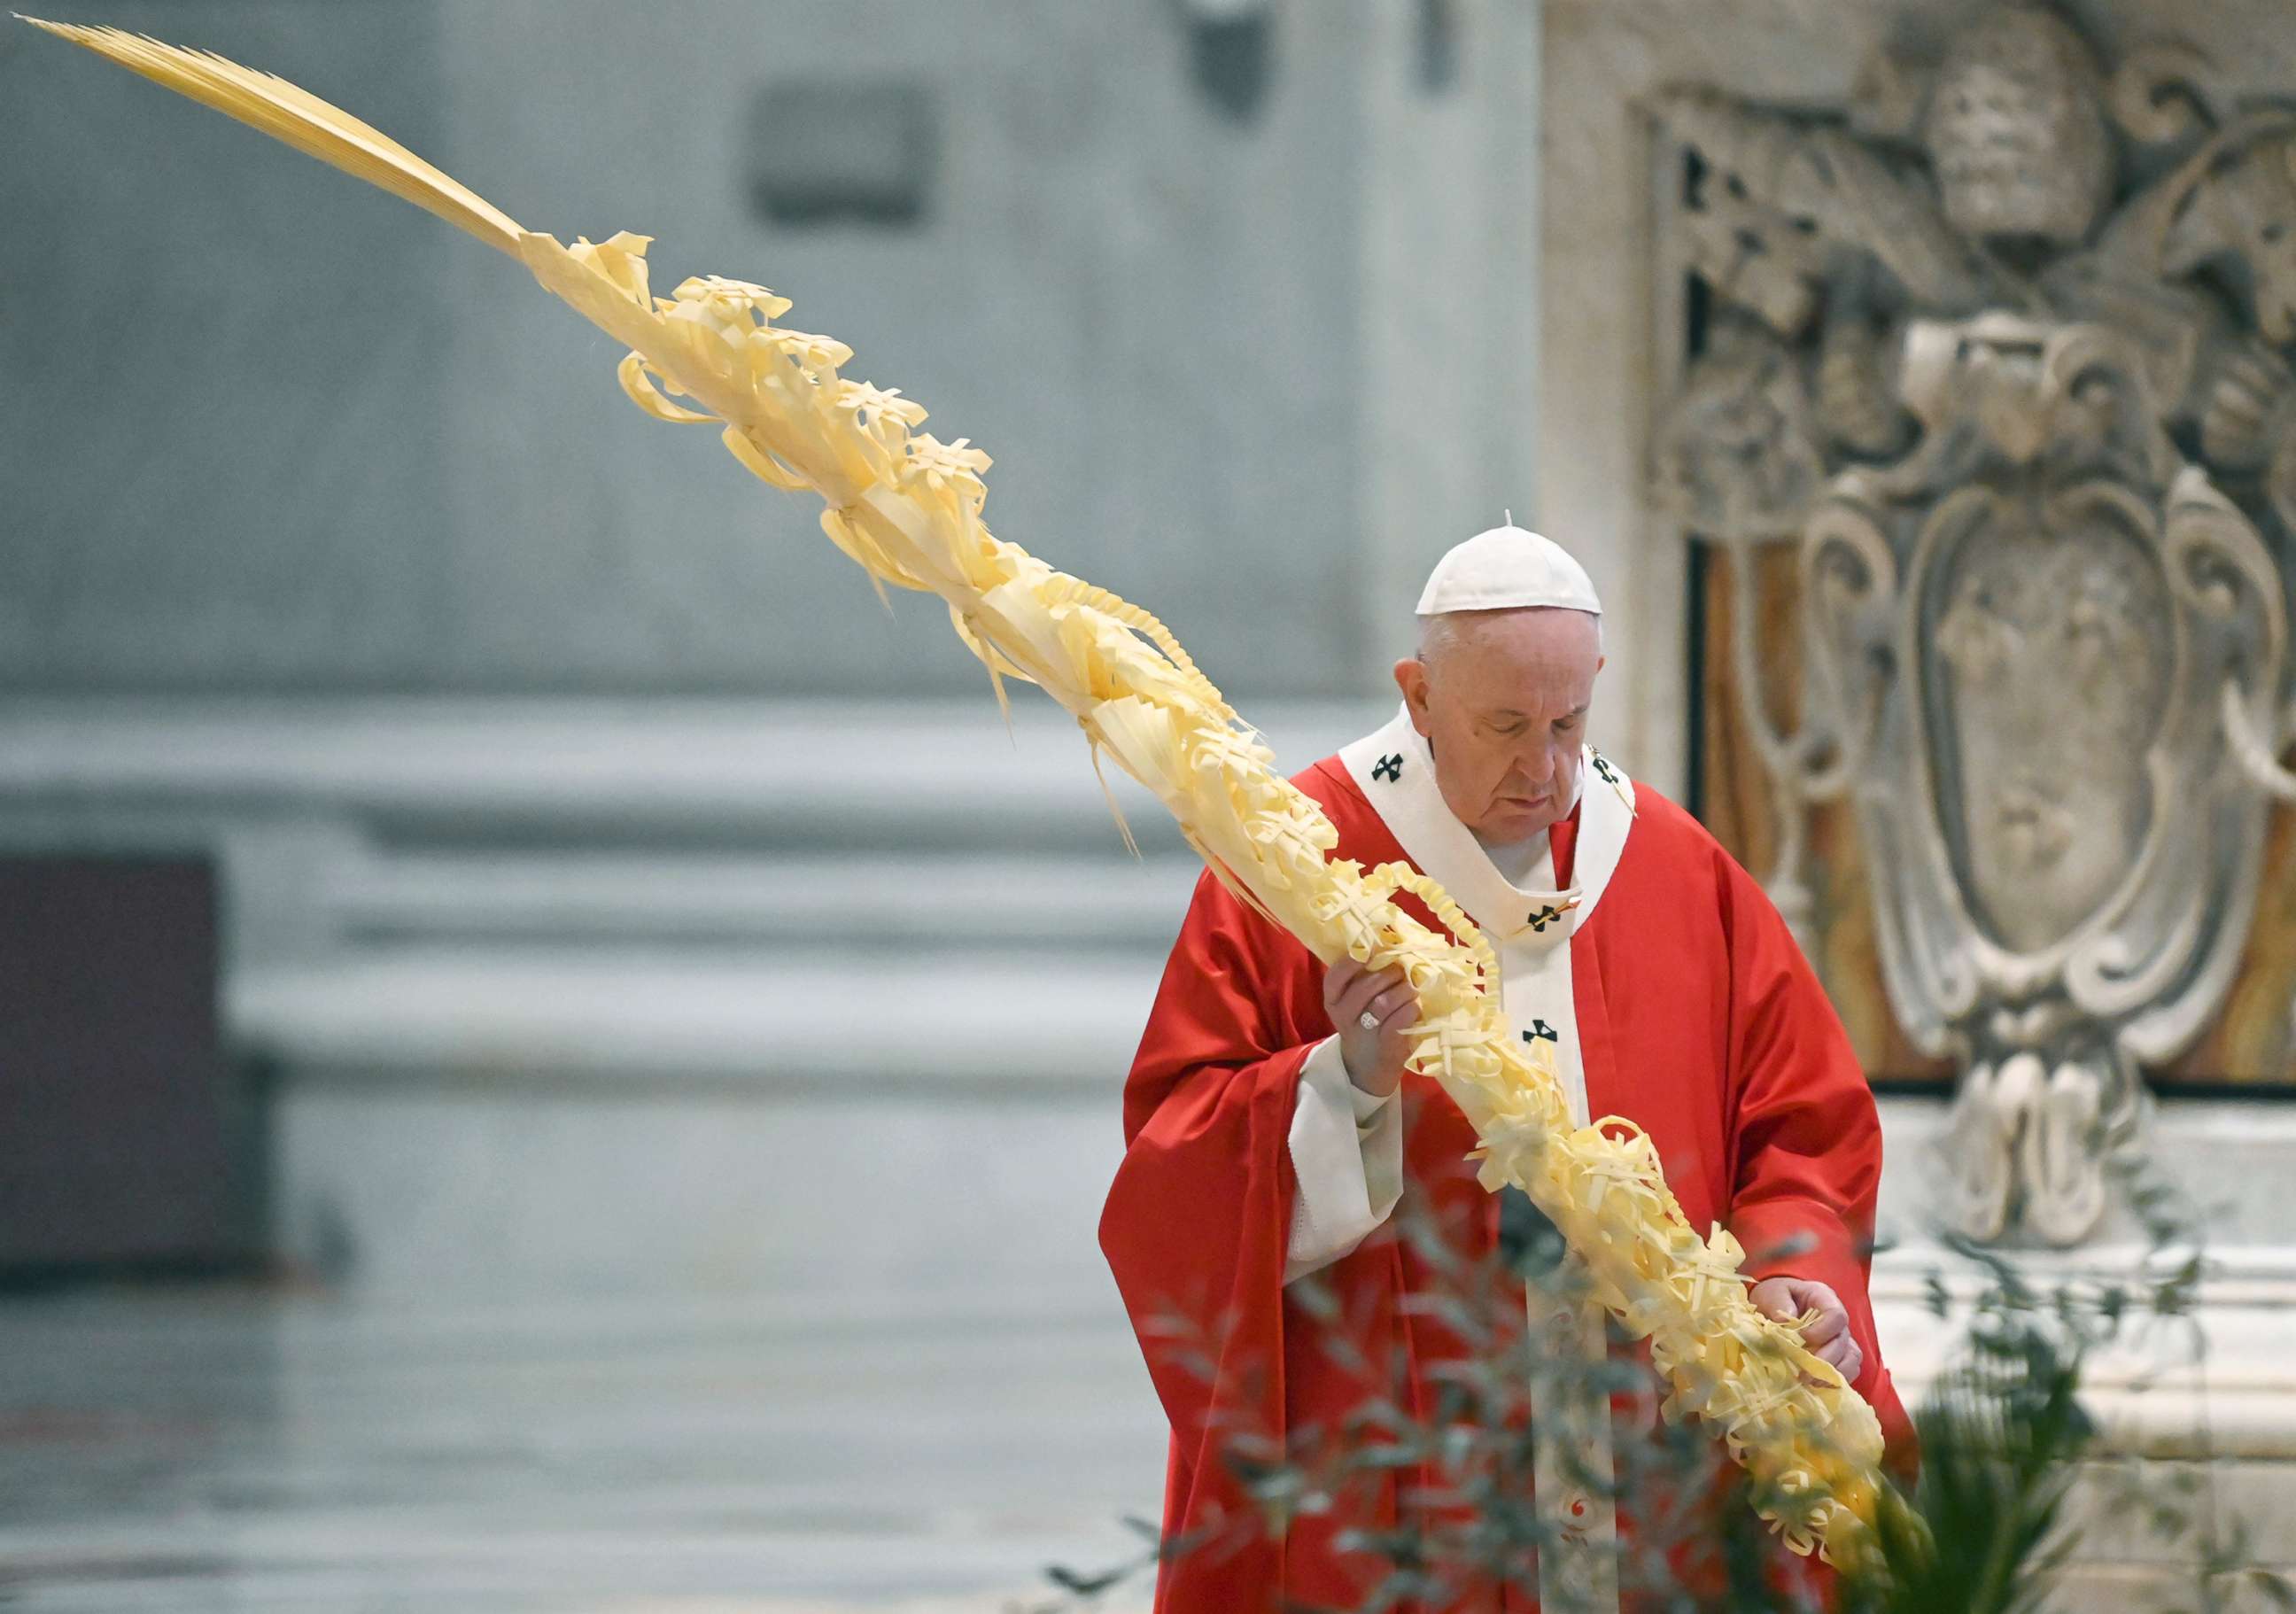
(526, 772)
(338, 826)
(992, 1015)
(961, 901)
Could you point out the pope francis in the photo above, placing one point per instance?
(1273, 1134)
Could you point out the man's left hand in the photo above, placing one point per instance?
(1828, 1335)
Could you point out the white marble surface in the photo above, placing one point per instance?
(804, 1016)
(929, 1447)
(441, 1192)
(2224, 1160)
(234, 1452)
(896, 776)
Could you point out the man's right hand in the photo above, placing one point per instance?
(1374, 1058)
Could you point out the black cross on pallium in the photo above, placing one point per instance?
(1390, 768)
(1602, 766)
(1541, 1032)
(1544, 917)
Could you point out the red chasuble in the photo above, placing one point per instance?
(1696, 1017)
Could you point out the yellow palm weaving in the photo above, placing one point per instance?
(907, 507)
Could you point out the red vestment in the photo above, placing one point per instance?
(1698, 1018)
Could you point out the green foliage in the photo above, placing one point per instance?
(2000, 1437)
(1988, 1526)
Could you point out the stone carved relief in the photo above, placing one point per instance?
(2005, 352)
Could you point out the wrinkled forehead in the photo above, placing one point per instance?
(1535, 657)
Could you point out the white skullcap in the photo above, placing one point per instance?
(1506, 568)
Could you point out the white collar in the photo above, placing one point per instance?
(1396, 772)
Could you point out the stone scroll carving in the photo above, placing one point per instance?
(2005, 351)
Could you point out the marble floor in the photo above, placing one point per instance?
(217, 1447)
(207, 1449)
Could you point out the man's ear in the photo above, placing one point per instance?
(1411, 678)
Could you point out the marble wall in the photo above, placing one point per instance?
(222, 369)
(1251, 356)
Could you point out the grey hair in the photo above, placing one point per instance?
(1441, 632)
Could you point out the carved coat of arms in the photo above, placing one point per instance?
(2005, 353)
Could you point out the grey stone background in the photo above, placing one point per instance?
(689, 1027)
(269, 430)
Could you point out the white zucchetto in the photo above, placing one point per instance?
(1505, 568)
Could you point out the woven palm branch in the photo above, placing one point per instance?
(907, 508)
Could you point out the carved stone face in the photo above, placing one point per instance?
(2016, 132)
(1737, 457)
(2245, 210)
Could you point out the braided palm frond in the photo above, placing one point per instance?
(907, 508)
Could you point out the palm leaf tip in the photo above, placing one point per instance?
(317, 128)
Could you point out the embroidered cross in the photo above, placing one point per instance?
(1610, 775)
(1546, 916)
(1541, 1032)
(1390, 768)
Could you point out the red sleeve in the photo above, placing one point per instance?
(1198, 1218)
(1806, 1139)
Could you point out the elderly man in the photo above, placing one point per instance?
(1273, 1132)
